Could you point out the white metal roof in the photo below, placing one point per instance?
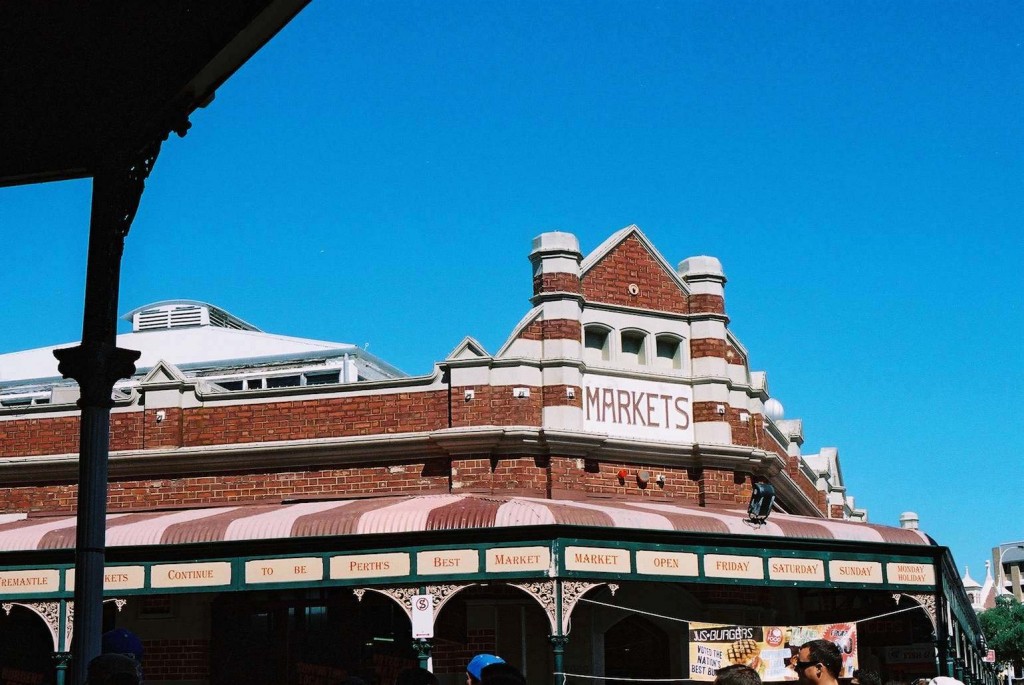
(186, 345)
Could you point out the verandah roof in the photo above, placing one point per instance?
(423, 513)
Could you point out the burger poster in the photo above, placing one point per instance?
(770, 650)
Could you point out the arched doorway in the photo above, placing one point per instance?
(26, 649)
(636, 648)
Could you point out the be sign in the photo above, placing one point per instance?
(422, 616)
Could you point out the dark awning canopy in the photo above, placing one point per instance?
(82, 81)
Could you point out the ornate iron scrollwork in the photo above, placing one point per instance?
(544, 592)
(926, 602)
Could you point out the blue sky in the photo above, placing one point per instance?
(376, 173)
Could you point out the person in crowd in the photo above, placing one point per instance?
(417, 675)
(737, 674)
(113, 669)
(820, 663)
(864, 677)
(501, 674)
(478, 664)
(121, 641)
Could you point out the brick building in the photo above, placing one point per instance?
(570, 501)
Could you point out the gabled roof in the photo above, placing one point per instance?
(619, 237)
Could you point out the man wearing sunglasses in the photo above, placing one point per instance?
(819, 663)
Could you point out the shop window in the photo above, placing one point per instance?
(634, 346)
(668, 353)
(595, 344)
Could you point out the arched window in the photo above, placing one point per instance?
(668, 352)
(596, 343)
(634, 348)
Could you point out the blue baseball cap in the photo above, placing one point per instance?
(481, 661)
(121, 641)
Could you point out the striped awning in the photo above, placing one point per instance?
(411, 514)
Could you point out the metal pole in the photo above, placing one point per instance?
(97, 364)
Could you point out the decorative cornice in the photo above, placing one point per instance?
(388, 449)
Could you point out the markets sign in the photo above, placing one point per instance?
(769, 650)
(631, 408)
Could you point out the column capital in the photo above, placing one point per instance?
(96, 366)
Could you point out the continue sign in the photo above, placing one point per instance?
(422, 616)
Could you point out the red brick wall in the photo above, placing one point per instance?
(30, 437)
(306, 419)
(451, 657)
(429, 476)
(705, 303)
(555, 283)
(805, 484)
(558, 396)
(166, 433)
(552, 329)
(685, 485)
(707, 347)
(495, 406)
(631, 262)
(33, 437)
(176, 659)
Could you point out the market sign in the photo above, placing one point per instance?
(769, 650)
(626, 407)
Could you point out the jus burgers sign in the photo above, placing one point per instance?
(631, 408)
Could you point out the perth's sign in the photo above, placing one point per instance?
(631, 408)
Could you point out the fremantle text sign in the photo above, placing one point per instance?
(638, 409)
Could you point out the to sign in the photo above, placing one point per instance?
(990, 657)
(422, 616)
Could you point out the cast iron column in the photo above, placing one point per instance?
(558, 643)
(97, 363)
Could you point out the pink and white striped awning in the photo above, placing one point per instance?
(427, 513)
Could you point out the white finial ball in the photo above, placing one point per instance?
(773, 409)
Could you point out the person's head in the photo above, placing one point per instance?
(501, 674)
(113, 669)
(862, 677)
(737, 674)
(478, 664)
(123, 642)
(417, 675)
(820, 662)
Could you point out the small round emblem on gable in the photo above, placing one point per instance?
(633, 289)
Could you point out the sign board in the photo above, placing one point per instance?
(990, 656)
(422, 616)
(631, 408)
(769, 650)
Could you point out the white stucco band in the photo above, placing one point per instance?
(557, 265)
(561, 309)
(560, 348)
(530, 349)
(472, 375)
(708, 329)
(562, 375)
(713, 367)
(565, 418)
(713, 432)
(711, 392)
(516, 375)
(706, 288)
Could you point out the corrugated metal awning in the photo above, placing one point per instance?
(422, 513)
